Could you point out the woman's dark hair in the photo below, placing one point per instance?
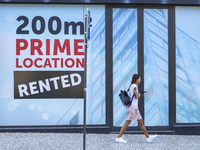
(134, 78)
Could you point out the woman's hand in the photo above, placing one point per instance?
(137, 96)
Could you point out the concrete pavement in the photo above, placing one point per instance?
(74, 141)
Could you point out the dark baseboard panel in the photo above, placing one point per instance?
(92, 129)
(177, 130)
(150, 132)
(187, 129)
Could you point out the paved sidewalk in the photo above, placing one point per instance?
(74, 141)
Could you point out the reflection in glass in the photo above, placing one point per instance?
(187, 65)
(124, 57)
(156, 67)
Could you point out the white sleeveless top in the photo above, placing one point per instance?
(134, 103)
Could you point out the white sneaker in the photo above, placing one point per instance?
(151, 138)
(120, 140)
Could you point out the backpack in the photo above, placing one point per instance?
(124, 97)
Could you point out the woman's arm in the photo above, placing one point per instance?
(137, 95)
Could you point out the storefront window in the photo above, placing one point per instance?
(156, 103)
(124, 57)
(187, 65)
(42, 46)
(96, 113)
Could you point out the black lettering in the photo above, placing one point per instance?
(23, 25)
(50, 25)
(74, 27)
(90, 22)
(42, 25)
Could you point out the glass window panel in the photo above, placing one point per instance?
(96, 68)
(156, 67)
(124, 58)
(187, 65)
(54, 111)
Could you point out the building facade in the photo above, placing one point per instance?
(42, 65)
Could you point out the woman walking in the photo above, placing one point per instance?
(133, 112)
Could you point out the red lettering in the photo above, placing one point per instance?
(77, 47)
(26, 60)
(17, 63)
(47, 63)
(79, 63)
(47, 46)
(61, 62)
(68, 60)
(36, 47)
(19, 45)
(55, 61)
(57, 46)
(35, 63)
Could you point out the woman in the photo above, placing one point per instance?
(133, 112)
